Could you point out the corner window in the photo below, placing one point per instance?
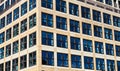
(47, 38)
(32, 59)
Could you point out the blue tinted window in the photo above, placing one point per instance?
(32, 4)
(85, 12)
(110, 65)
(117, 35)
(106, 18)
(88, 63)
(87, 45)
(76, 61)
(62, 60)
(61, 5)
(47, 58)
(109, 2)
(2, 23)
(97, 31)
(100, 64)
(73, 9)
(47, 3)
(118, 65)
(99, 47)
(9, 18)
(47, 38)
(2, 37)
(86, 28)
(116, 21)
(8, 34)
(61, 23)
(108, 33)
(62, 41)
(96, 15)
(74, 26)
(117, 50)
(16, 13)
(75, 43)
(2, 53)
(47, 19)
(109, 49)
(23, 8)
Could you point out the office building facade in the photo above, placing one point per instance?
(59, 35)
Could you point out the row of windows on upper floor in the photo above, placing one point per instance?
(73, 9)
(61, 23)
(16, 13)
(62, 61)
(9, 3)
(85, 12)
(47, 38)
